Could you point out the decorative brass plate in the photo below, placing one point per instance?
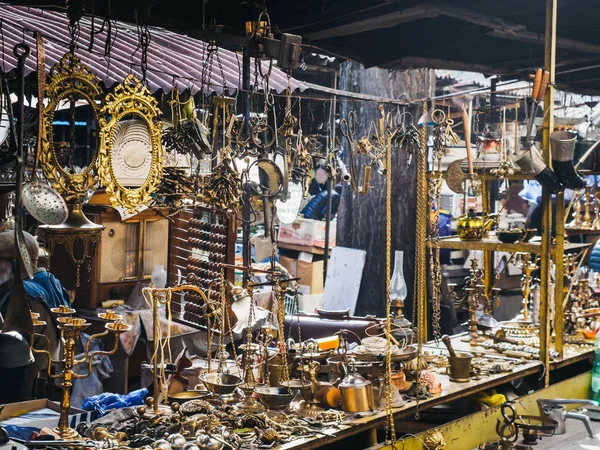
(69, 78)
(130, 99)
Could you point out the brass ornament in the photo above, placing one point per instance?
(69, 78)
(129, 98)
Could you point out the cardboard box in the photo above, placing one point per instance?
(307, 232)
(310, 273)
(12, 413)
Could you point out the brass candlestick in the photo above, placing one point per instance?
(473, 297)
(524, 262)
(577, 216)
(70, 329)
(587, 217)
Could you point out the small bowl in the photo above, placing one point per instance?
(276, 398)
(220, 383)
(529, 234)
(510, 236)
(185, 396)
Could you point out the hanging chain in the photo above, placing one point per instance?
(280, 298)
(223, 314)
(420, 282)
(297, 306)
(74, 13)
(441, 138)
(390, 425)
(145, 38)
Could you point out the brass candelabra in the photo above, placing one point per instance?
(524, 262)
(70, 329)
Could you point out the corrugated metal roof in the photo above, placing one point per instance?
(173, 59)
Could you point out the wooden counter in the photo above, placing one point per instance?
(450, 391)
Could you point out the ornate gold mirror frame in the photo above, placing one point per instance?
(69, 77)
(129, 97)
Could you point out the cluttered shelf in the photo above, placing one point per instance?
(492, 244)
(450, 391)
(572, 353)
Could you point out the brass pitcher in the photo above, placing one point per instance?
(474, 225)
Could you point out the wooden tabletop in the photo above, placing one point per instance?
(450, 391)
(571, 353)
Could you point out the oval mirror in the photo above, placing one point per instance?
(130, 159)
(75, 133)
(70, 138)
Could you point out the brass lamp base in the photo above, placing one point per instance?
(67, 434)
(306, 409)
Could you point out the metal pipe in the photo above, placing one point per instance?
(330, 148)
(548, 125)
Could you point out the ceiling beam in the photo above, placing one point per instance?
(377, 22)
(500, 28)
(414, 62)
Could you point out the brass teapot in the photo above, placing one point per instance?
(474, 225)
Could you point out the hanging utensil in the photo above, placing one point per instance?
(18, 317)
(43, 202)
(455, 177)
(21, 51)
(540, 83)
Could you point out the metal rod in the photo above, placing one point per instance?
(548, 125)
(330, 148)
(155, 356)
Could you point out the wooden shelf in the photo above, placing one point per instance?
(302, 248)
(494, 245)
(581, 231)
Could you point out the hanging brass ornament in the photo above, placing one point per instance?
(130, 98)
(73, 80)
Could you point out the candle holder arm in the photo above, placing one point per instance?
(97, 353)
(87, 346)
(47, 353)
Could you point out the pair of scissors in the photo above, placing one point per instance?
(348, 128)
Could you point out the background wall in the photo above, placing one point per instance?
(361, 219)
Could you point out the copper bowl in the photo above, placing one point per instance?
(220, 383)
(276, 398)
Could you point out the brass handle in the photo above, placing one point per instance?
(467, 130)
(544, 85)
(536, 84)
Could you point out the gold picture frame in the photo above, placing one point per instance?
(69, 77)
(129, 98)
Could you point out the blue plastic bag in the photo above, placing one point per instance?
(107, 401)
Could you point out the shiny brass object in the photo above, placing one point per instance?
(356, 393)
(157, 297)
(129, 98)
(523, 261)
(434, 439)
(364, 189)
(70, 329)
(460, 369)
(69, 78)
(78, 231)
(473, 226)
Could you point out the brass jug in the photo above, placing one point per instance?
(474, 225)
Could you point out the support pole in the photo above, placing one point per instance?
(547, 127)
(246, 248)
(330, 182)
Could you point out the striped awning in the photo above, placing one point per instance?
(173, 59)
